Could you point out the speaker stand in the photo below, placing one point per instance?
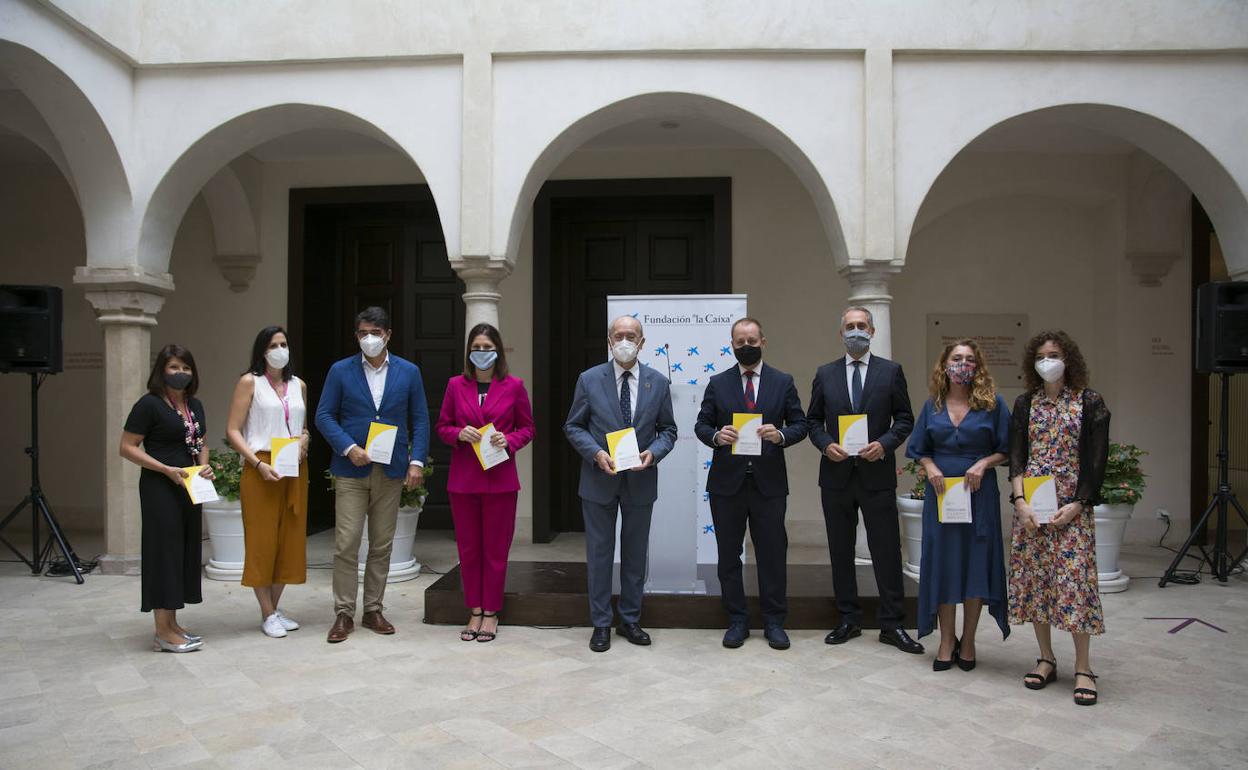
(39, 507)
(1221, 564)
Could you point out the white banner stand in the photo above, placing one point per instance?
(687, 340)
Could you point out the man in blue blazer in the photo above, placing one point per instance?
(751, 489)
(861, 383)
(374, 386)
(609, 397)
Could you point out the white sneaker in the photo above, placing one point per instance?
(287, 623)
(273, 626)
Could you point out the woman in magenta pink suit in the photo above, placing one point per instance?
(483, 502)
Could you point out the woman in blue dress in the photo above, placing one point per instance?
(962, 431)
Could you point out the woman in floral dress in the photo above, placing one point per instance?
(1059, 427)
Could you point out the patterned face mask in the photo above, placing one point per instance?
(961, 372)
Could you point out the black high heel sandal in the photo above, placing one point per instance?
(1033, 681)
(945, 665)
(963, 663)
(468, 635)
(488, 636)
(1085, 691)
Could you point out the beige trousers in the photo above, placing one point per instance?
(374, 500)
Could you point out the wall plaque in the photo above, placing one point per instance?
(1001, 340)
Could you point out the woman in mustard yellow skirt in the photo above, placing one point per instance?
(271, 403)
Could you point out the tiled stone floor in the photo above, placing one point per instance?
(80, 687)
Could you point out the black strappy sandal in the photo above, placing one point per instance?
(1085, 691)
(1033, 681)
(468, 635)
(488, 636)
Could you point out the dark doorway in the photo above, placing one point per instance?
(592, 239)
(352, 247)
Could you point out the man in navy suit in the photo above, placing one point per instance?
(374, 386)
(751, 489)
(619, 394)
(860, 383)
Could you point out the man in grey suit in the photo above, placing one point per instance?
(612, 396)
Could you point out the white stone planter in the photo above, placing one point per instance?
(225, 535)
(1111, 525)
(403, 564)
(911, 512)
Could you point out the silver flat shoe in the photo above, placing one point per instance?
(192, 637)
(160, 645)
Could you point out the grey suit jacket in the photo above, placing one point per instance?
(595, 412)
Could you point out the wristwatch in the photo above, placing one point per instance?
(1014, 498)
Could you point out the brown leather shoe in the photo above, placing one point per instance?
(343, 626)
(377, 622)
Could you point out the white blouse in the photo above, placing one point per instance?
(267, 417)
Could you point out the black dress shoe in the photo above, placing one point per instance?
(843, 633)
(736, 634)
(776, 637)
(901, 640)
(633, 633)
(601, 640)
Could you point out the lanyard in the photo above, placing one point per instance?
(283, 398)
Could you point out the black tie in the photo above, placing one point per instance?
(856, 393)
(626, 400)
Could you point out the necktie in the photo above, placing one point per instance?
(749, 389)
(626, 400)
(856, 393)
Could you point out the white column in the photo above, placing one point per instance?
(481, 277)
(126, 301)
(878, 165)
(868, 287)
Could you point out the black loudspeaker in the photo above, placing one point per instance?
(30, 329)
(1222, 327)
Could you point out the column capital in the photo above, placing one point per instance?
(237, 269)
(869, 282)
(481, 276)
(124, 295)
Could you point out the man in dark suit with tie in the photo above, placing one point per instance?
(861, 383)
(619, 394)
(751, 489)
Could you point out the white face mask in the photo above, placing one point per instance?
(278, 357)
(624, 351)
(1050, 369)
(372, 345)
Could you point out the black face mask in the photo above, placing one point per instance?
(177, 381)
(748, 355)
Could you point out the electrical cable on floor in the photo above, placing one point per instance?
(1186, 577)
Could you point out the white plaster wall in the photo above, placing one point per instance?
(413, 105)
(538, 99)
(42, 243)
(943, 102)
(180, 31)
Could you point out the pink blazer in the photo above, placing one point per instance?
(507, 406)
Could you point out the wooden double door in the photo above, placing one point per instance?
(593, 239)
(352, 248)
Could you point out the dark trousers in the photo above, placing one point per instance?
(879, 516)
(600, 558)
(765, 518)
(172, 532)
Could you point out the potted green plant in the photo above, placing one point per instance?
(910, 507)
(1123, 487)
(403, 563)
(225, 517)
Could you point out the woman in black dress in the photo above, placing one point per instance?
(163, 435)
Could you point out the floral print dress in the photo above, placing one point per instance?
(1053, 570)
